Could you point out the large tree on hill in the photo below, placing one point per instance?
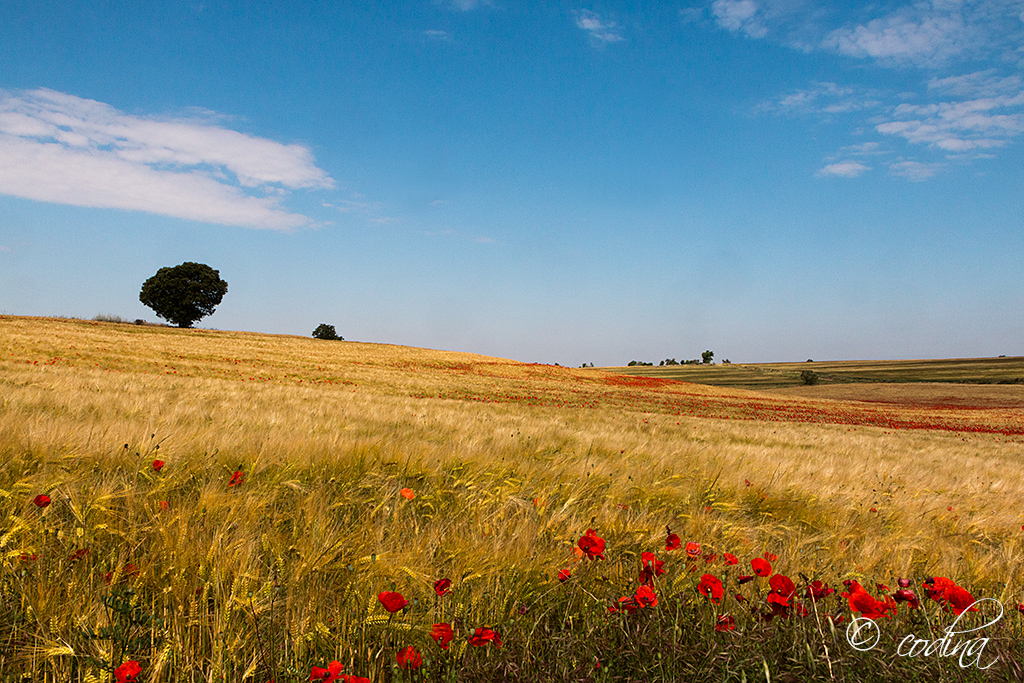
(184, 294)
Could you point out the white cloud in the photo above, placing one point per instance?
(914, 171)
(601, 30)
(465, 5)
(982, 123)
(843, 169)
(691, 15)
(864, 149)
(902, 37)
(823, 98)
(979, 84)
(740, 15)
(925, 33)
(436, 34)
(64, 149)
(932, 34)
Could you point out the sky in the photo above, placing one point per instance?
(563, 182)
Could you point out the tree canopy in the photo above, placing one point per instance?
(184, 294)
(325, 331)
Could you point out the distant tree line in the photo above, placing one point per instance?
(706, 358)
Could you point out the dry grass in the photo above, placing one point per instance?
(509, 462)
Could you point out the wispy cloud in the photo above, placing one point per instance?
(823, 99)
(984, 122)
(933, 34)
(63, 149)
(863, 149)
(464, 5)
(740, 15)
(844, 169)
(914, 171)
(909, 35)
(455, 234)
(986, 83)
(921, 32)
(436, 34)
(352, 206)
(600, 30)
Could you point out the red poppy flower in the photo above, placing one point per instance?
(26, 557)
(331, 673)
(730, 558)
(158, 465)
(946, 590)
(903, 583)
(484, 635)
(761, 567)
(960, 600)
(711, 587)
(673, 542)
(442, 634)
(78, 554)
(860, 601)
(782, 586)
(743, 579)
(164, 505)
(778, 599)
(127, 671)
(42, 500)
(626, 604)
(443, 586)
(408, 658)
(646, 597)
(407, 494)
(1020, 607)
(780, 605)
(817, 590)
(725, 623)
(693, 549)
(392, 601)
(236, 478)
(592, 545)
(564, 575)
(771, 557)
(652, 567)
(906, 595)
(935, 587)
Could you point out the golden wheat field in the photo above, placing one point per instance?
(368, 468)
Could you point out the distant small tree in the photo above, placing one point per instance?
(184, 294)
(325, 331)
(708, 357)
(809, 377)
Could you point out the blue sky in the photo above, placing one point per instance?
(562, 182)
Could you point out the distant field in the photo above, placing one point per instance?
(777, 375)
(302, 478)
